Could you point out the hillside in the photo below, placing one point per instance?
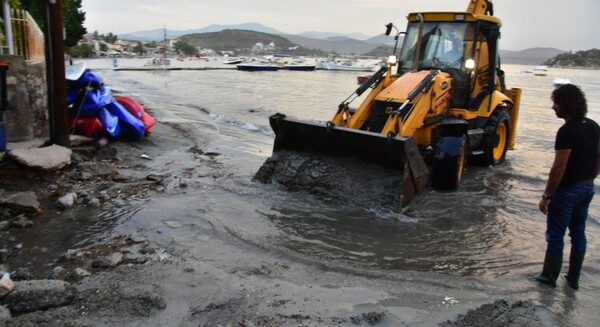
(531, 56)
(581, 59)
(380, 46)
(242, 41)
(333, 44)
(159, 34)
(319, 44)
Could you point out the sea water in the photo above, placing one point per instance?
(489, 229)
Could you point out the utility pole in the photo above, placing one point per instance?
(55, 73)
(8, 27)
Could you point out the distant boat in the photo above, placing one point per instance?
(560, 81)
(299, 64)
(232, 61)
(253, 67)
(347, 65)
(158, 62)
(302, 67)
(540, 70)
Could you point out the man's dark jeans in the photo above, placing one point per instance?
(568, 208)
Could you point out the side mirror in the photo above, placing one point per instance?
(388, 28)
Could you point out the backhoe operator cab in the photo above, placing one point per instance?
(459, 45)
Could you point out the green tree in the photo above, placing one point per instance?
(82, 51)
(73, 17)
(111, 38)
(139, 48)
(185, 48)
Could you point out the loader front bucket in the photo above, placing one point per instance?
(400, 153)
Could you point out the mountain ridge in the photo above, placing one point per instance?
(335, 42)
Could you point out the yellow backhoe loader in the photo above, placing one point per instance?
(443, 103)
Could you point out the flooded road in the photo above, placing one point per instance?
(471, 246)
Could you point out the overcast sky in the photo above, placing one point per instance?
(566, 25)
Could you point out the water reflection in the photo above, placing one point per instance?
(58, 231)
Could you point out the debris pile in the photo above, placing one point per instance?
(94, 112)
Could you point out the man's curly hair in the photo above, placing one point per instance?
(571, 100)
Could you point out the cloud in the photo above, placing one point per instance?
(533, 23)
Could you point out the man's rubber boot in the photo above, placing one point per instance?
(575, 263)
(551, 270)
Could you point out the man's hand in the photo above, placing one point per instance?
(543, 205)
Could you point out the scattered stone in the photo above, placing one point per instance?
(6, 285)
(73, 255)
(79, 140)
(52, 157)
(66, 201)
(94, 202)
(22, 222)
(22, 201)
(104, 196)
(60, 273)
(110, 261)
(3, 255)
(34, 295)
(22, 273)
(137, 238)
(115, 258)
(79, 272)
(4, 225)
(154, 178)
(4, 313)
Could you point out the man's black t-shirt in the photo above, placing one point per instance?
(581, 136)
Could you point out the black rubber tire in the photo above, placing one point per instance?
(448, 162)
(495, 139)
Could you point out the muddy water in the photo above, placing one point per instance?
(489, 230)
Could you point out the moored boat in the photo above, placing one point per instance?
(258, 67)
(299, 66)
(346, 66)
(560, 81)
(540, 70)
(232, 61)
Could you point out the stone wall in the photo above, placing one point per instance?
(27, 91)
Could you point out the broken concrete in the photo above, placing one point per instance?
(22, 201)
(34, 295)
(53, 157)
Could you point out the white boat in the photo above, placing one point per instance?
(232, 61)
(158, 62)
(346, 65)
(540, 70)
(560, 81)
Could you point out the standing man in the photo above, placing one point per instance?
(570, 185)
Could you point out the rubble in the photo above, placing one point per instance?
(52, 157)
